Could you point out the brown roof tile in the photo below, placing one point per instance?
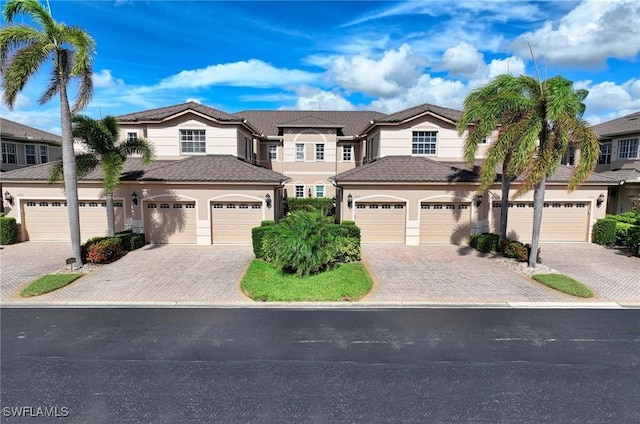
(310, 121)
(23, 132)
(623, 125)
(403, 115)
(166, 112)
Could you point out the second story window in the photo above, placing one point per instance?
(44, 154)
(273, 152)
(30, 154)
(628, 149)
(8, 153)
(424, 143)
(320, 152)
(605, 154)
(299, 151)
(347, 153)
(193, 141)
(132, 136)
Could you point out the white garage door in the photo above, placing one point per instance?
(561, 221)
(231, 222)
(445, 222)
(170, 222)
(48, 220)
(381, 222)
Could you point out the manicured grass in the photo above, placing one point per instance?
(345, 282)
(48, 283)
(564, 284)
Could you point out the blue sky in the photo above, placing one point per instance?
(360, 55)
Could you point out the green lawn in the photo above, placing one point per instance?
(564, 284)
(345, 282)
(48, 283)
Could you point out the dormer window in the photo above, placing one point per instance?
(193, 141)
(424, 143)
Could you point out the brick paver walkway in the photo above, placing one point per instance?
(610, 273)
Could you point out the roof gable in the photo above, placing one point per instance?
(619, 126)
(169, 112)
(11, 129)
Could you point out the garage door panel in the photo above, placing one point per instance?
(381, 222)
(170, 222)
(231, 222)
(48, 220)
(445, 222)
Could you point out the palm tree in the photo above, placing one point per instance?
(102, 139)
(540, 120)
(23, 51)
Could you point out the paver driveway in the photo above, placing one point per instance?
(451, 274)
(162, 274)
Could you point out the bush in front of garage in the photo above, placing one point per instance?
(517, 250)
(127, 240)
(325, 204)
(485, 242)
(105, 251)
(8, 230)
(257, 236)
(604, 232)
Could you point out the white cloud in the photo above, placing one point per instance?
(390, 75)
(251, 73)
(608, 98)
(311, 98)
(592, 32)
(512, 65)
(463, 59)
(104, 79)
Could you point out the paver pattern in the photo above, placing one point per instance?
(610, 273)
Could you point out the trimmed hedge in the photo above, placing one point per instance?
(8, 230)
(128, 241)
(105, 251)
(257, 238)
(325, 204)
(517, 250)
(632, 217)
(485, 242)
(604, 232)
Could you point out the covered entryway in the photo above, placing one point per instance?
(561, 221)
(445, 222)
(381, 222)
(48, 220)
(170, 222)
(231, 222)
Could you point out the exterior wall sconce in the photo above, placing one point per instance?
(8, 197)
(134, 198)
(310, 193)
(267, 200)
(600, 199)
(350, 201)
(479, 200)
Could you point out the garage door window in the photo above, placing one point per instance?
(177, 206)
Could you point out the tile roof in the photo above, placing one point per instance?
(268, 121)
(310, 121)
(166, 112)
(23, 132)
(628, 172)
(403, 115)
(623, 125)
(211, 168)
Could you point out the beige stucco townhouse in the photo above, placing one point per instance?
(399, 176)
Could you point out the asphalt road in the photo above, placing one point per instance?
(320, 366)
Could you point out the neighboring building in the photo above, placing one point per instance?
(620, 160)
(400, 177)
(26, 146)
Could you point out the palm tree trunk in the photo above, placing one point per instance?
(111, 219)
(70, 176)
(538, 207)
(504, 209)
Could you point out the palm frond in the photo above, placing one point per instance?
(14, 37)
(112, 165)
(138, 146)
(23, 65)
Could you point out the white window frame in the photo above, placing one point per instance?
(630, 149)
(320, 152)
(198, 142)
(272, 155)
(27, 155)
(604, 158)
(424, 143)
(485, 140)
(8, 150)
(44, 154)
(132, 136)
(347, 153)
(299, 191)
(299, 150)
(320, 191)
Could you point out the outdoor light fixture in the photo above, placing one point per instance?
(134, 198)
(8, 197)
(267, 200)
(479, 200)
(600, 199)
(350, 201)
(310, 193)
(333, 200)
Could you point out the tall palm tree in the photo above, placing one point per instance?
(104, 148)
(24, 50)
(542, 118)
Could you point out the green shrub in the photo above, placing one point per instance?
(324, 204)
(345, 249)
(267, 222)
(269, 246)
(622, 231)
(257, 236)
(105, 251)
(8, 230)
(352, 230)
(485, 242)
(519, 251)
(633, 239)
(84, 249)
(632, 217)
(345, 222)
(136, 241)
(604, 232)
